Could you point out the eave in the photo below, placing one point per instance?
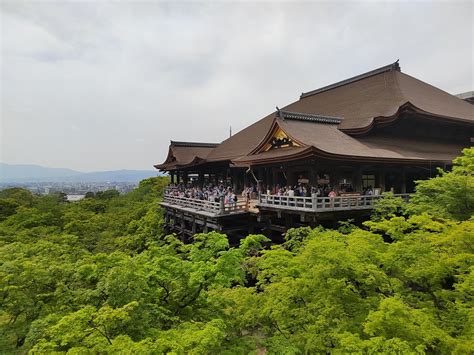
(408, 107)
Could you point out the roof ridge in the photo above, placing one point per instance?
(394, 66)
(309, 117)
(193, 144)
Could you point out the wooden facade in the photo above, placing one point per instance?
(379, 131)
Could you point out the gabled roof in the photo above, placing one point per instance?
(386, 68)
(371, 98)
(358, 104)
(327, 141)
(243, 142)
(181, 154)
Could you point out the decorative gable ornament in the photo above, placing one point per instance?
(279, 140)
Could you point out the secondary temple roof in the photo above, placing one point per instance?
(185, 153)
(334, 121)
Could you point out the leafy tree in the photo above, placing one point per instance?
(8, 207)
(451, 194)
(388, 206)
(99, 276)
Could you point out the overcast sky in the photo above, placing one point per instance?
(105, 85)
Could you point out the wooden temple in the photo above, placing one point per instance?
(378, 131)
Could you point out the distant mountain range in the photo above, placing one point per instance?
(35, 173)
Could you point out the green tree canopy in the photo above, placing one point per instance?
(100, 276)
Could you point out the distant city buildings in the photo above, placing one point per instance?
(74, 191)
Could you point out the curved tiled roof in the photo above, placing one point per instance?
(351, 108)
(359, 101)
(243, 142)
(185, 153)
(381, 95)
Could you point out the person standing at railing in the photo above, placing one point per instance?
(291, 192)
(246, 195)
(233, 199)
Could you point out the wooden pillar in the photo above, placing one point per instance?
(240, 179)
(234, 178)
(178, 177)
(264, 180)
(182, 226)
(334, 179)
(291, 177)
(357, 178)
(201, 179)
(221, 205)
(205, 229)
(185, 177)
(287, 222)
(404, 181)
(382, 179)
(167, 221)
(251, 229)
(313, 176)
(194, 225)
(172, 177)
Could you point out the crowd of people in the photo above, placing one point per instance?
(215, 193)
(212, 193)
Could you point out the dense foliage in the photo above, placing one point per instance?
(99, 276)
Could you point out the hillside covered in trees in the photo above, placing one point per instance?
(99, 276)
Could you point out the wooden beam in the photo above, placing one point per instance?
(194, 225)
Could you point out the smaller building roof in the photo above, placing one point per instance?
(182, 154)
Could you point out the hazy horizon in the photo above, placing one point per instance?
(97, 86)
(76, 170)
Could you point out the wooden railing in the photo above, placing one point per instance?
(218, 208)
(321, 204)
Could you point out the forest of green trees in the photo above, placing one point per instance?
(100, 276)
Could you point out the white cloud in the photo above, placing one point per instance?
(187, 71)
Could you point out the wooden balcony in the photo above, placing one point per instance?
(203, 207)
(296, 203)
(321, 204)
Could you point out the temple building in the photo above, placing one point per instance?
(376, 132)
